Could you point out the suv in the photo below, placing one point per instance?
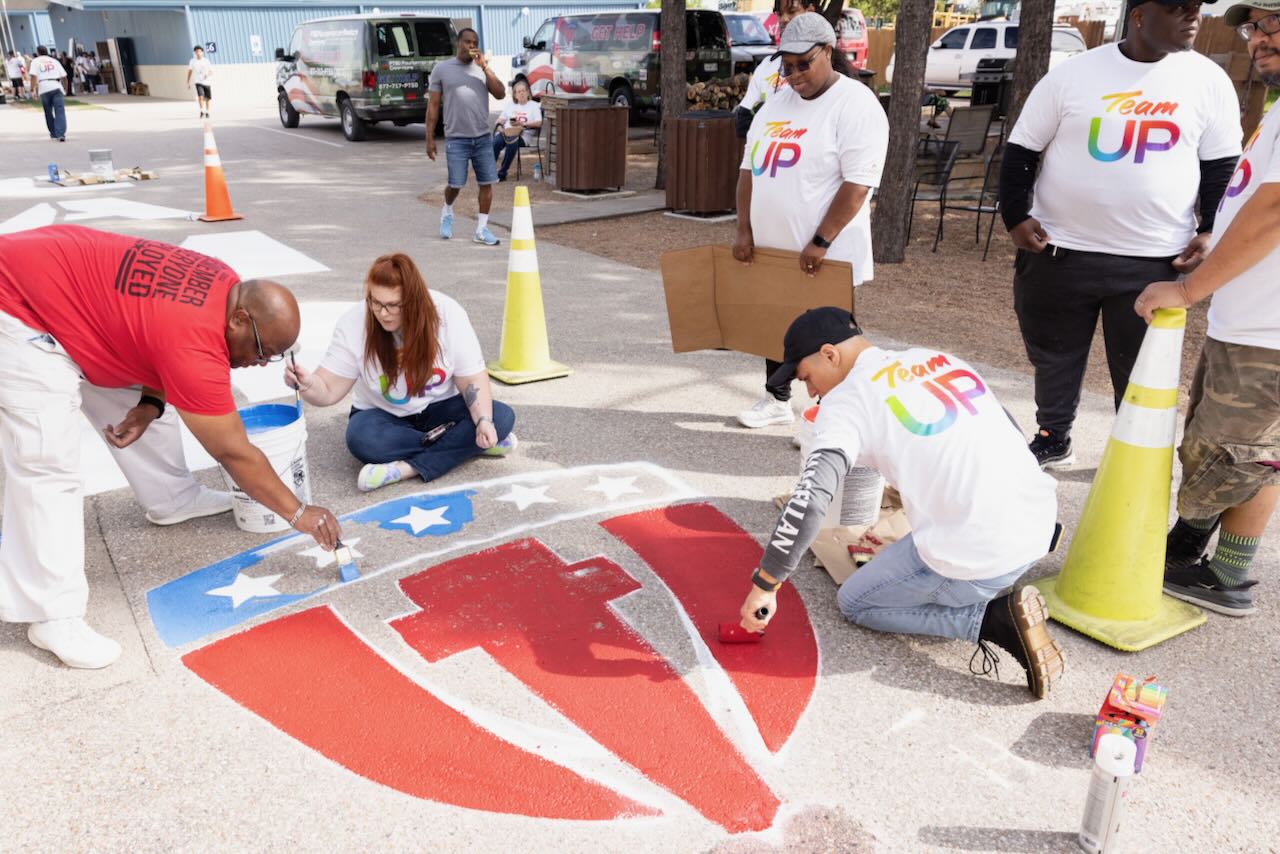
(953, 58)
(362, 69)
(616, 54)
(749, 40)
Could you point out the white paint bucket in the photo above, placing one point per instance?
(280, 432)
(100, 162)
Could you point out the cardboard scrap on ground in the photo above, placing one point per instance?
(716, 302)
(137, 173)
(843, 549)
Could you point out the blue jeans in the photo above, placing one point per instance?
(461, 150)
(377, 436)
(512, 147)
(55, 113)
(898, 592)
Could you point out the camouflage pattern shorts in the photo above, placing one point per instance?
(1233, 429)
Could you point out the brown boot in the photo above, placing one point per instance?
(1017, 624)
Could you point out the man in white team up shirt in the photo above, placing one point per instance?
(16, 71)
(982, 513)
(200, 72)
(813, 155)
(1126, 136)
(47, 75)
(1230, 448)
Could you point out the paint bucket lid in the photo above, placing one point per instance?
(268, 416)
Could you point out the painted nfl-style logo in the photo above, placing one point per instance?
(549, 622)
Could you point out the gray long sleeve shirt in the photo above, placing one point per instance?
(803, 515)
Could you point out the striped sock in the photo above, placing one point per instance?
(1200, 524)
(1233, 557)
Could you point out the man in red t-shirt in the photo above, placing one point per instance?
(79, 306)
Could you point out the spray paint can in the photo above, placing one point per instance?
(1108, 794)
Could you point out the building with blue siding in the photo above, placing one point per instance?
(241, 36)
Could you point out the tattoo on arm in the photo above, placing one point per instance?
(470, 394)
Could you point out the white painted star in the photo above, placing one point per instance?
(419, 519)
(246, 587)
(324, 558)
(524, 496)
(613, 488)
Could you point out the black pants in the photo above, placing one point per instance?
(782, 393)
(1058, 295)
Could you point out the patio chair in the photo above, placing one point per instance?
(935, 158)
(960, 195)
(536, 148)
(969, 127)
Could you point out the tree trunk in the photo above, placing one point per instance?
(1035, 37)
(893, 199)
(674, 77)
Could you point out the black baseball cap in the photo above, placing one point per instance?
(806, 335)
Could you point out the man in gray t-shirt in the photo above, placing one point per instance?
(464, 84)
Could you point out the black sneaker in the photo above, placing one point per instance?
(1198, 585)
(1016, 623)
(1184, 546)
(1052, 450)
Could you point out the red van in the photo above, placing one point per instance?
(851, 37)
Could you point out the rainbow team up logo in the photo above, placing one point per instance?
(783, 150)
(1139, 135)
(949, 389)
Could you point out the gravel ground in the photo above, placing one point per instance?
(952, 299)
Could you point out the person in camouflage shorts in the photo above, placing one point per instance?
(1230, 449)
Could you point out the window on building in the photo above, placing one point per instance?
(433, 38)
(393, 39)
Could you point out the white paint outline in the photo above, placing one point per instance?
(297, 136)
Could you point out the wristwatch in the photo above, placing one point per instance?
(819, 242)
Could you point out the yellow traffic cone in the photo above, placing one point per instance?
(525, 356)
(1110, 584)
(217, 201)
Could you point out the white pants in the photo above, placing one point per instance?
(42, 542)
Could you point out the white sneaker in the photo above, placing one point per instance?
(767, 411)
(208, 502)
(74, 642)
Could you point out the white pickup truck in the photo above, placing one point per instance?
(954, 56)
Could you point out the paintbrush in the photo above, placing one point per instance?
(297, 383)
(735, 633)
(346, 562)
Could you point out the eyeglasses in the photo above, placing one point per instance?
(263, 358)
(802, 65)
(1268, 26)
(391, 308)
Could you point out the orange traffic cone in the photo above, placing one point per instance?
(217, 201)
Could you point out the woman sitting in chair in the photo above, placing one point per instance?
(422, 402)
(517, 127)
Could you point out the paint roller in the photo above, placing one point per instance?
(735, 633)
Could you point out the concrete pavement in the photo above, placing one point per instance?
(228, 740)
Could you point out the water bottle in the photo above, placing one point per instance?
(537, 170)
(1108, 793)
(54, 176)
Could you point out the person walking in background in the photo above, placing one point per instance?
(814, 153)
(47, 75)
(517, 127)
(423, 404)
(464, 83)
(1230, 448)
(16, 70)
(69, 69)
(1126, 137)
(92, 76)
(200, 72)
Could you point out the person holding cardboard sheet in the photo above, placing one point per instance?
(815, 151)
(423, 404)
(982, 513)
(117, 312)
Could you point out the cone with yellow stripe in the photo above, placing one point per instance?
(525, 356)
(1110, 584)
(217, 201)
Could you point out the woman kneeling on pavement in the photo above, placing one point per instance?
(422, 402)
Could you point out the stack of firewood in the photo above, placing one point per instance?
(718, 94)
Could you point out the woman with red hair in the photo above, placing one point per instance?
(422, 402)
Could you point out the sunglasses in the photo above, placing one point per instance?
(1268, 26)
(800, 66)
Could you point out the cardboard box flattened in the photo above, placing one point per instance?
(715, 301)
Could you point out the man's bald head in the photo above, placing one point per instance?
(265, 307)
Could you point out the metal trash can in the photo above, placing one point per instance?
(704, 153)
